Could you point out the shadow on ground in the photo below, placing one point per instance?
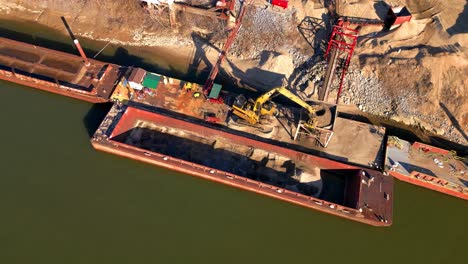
(423, 50)
(461, 25)
(454, 121)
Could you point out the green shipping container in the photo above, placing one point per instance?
(215, 90)
(151, 80)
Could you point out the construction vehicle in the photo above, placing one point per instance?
(252, 111)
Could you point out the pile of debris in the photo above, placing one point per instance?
(263, 30)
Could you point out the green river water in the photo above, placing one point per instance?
(63, 202)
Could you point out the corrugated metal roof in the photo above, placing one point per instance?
(137, 75)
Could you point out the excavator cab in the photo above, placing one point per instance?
(240, 101)
(251, 111)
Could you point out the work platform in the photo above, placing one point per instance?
(351, 141)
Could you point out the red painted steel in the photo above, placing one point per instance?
(280, 3)
(222, 55)
(401, 20)
(80, 50)
(338, 41)
(427, 148)
(430, 183)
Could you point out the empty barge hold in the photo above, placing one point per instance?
(427, 166)
(57, 72)
(332, 187)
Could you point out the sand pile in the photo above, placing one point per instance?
(269, 72)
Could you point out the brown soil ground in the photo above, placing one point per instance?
(421, 66)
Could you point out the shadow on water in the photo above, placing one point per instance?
(199, 55)
(94, 117)
(39, 41)
(149, 58)
(67, 27)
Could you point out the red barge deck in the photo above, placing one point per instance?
(57, 72)
(427, 166)
(332, 187)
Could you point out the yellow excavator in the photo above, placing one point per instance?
(252, 111)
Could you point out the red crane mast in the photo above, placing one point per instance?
(232, 35)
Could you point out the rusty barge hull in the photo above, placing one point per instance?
(431, 183)
(34, 83)
(366, 188)
(57, 72)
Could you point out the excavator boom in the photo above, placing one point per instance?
(251, 111)
(288, 94)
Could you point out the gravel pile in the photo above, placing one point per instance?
(263, 30)
(307, 74)
(368, 94)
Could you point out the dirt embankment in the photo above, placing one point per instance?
(423, 67)
(416, 73)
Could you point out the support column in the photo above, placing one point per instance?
(83, 55)
(173, 14)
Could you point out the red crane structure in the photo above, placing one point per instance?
(343, 41)
(224, 6)
(340, 49)
(207, 88)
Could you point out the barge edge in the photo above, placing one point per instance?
(207, 173)
(39, 86)
(428, 185)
